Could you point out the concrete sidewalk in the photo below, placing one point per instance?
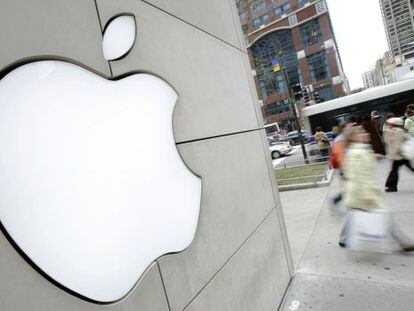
(331, 278)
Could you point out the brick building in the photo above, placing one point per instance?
(298, 35)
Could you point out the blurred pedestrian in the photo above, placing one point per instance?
(370, 126)
(337, 157)
(336, 129)
(362, 190)
(322, 142)
(377, 121)
(386, 126)
(395, 138)
(409, 121)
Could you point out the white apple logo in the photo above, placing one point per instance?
(92, 188)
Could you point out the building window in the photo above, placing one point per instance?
(271, 84)
(277, 46)
(258, 7)
(277, 108)
(257, 22)
(301, 3)
(239, 4)
(325, 93)
(311, 33)
(281, 83)
(261, 20)
(318, 66)
(265, 19)
(283, 9)
(242, 16)
(245, 29)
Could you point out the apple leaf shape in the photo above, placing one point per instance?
(92, 188)
(119, 37)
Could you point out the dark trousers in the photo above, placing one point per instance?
(392, 181)
(325, 154)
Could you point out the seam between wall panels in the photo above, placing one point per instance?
(268, 215)
(194, 26)
(163, 285)
(237, 25)
(216, 136)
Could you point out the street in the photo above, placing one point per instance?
(295, 157)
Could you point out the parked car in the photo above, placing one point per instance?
(293, 137)
(278, 148)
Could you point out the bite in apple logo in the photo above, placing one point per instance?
(92, 188)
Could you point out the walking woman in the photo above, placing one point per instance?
(363, 192)
(394, 139)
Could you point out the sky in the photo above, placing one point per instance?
(360, 34)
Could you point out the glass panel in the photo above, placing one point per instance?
(265, 19)
(275, 47)
(311, 33)
(258, 7)
(257, 21)
(318, 66)
(326, 94)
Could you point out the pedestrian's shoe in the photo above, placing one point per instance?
(391, 189)
(408, 248)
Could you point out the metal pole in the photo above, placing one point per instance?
(295, 115)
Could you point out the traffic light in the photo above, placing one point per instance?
(297, 91)
(316, 97)
(305, 96)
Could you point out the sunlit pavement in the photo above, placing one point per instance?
(328, 277)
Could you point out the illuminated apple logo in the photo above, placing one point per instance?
(92, 188)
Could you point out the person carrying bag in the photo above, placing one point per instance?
(400, 151)
(368, 225)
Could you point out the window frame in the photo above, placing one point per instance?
(318, 66)
(306, 31)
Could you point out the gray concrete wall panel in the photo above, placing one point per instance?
(237, 195)
(239, 259)
(219, 21)
(276, 195)
(256, 276)
(24, 289)
(66, 29)
(209, 75)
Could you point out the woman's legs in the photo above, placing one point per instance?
(325, 154)
(392, 180)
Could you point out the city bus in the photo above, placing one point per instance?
(389, 98)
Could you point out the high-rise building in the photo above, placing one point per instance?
(382, 73)
(370, 79)
(399, 26)
(385, 69)
(296, 35)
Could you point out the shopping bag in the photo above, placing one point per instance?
(368, 230)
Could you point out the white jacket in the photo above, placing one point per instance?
(394, 138)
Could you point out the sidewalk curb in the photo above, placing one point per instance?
(318, 184)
